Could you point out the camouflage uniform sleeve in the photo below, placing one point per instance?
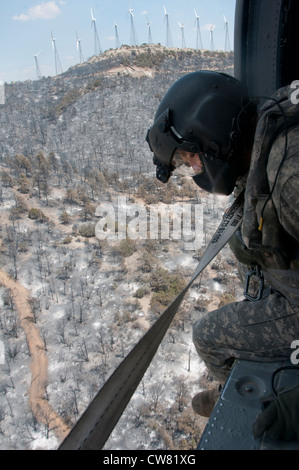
(285, 195)
(289, 206)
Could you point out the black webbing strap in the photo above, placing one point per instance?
(99, 419)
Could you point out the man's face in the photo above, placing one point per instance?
(192, 161)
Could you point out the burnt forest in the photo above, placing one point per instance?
(73, 303)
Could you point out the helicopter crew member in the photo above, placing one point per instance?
(208, 123)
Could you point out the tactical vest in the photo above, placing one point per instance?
(275, 159)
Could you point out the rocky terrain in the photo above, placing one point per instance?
(73, 305)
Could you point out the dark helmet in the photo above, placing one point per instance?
(202, 113)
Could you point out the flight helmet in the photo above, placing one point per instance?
(203, 113)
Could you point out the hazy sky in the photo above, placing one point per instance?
(26, 25)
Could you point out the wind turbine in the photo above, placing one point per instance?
(79, 49)
(133, 34)
(211, 29)
(199, 44)
(117, 42)
(58, 68)
(227, 41)
(97, 45)
(150, 39)
(38, 74)
(169, 42)
(182, 26)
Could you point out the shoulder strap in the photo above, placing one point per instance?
(97, 422)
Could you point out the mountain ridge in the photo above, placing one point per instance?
(98, 113)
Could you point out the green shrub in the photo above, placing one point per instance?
(141, 292)
(67, 240)
(36, 214)
(126, 247)
(87, 230)
(166, 287)
(69, 99)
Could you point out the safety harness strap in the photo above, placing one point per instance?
(99, 419)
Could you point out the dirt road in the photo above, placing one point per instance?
(39, 405)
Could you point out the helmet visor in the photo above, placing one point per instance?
(187, 163)
(209, 173)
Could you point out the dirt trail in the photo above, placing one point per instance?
(39, 405)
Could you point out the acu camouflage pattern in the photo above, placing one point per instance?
(278, 210)
(275, 247)
(254, 331)
(263, 330)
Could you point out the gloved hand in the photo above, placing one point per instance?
(281, 418)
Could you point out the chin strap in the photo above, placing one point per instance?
(163, 173)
